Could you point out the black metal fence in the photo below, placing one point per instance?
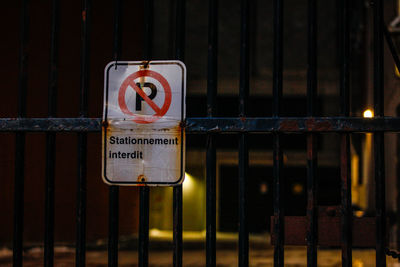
(211, 126)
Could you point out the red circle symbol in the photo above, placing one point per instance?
(130, 81)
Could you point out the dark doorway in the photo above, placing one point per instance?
(260, 200)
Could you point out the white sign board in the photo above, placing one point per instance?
(144, 109)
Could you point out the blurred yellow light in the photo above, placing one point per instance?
(358, 263)
(368, 113)
(359, 213)
(188, 183)
(396, 71)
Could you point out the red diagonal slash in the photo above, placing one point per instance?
(145, 97)
(130, 81)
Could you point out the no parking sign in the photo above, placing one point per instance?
(144, 108)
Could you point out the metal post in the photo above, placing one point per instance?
(177, 194)
(144, 195)
(113, 206)
(20, 138)
(82, 138)
(312, 226)
(346, 209)
(211, 149)
(379, 136)
(50, 140)
(279, 185)
(243, 148)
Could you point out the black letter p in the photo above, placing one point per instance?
(139, 99)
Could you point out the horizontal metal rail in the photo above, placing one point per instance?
(215, 125)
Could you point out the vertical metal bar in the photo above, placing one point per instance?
(177, 198)
(20, 138)
(279, 213)
(379, 136)
(148, 29)
(243, 148)
(50, 141)
(80, 256)
(211, 158)
(113, 213)
(312, 226)
(312, 58)
(177, 214)
(144, 196)
(346, 209)
(345, 57)
(398, 185)
(143, 253)
(113, 193)
(81, 201)
(380, 199)
(180, 30)
(211, 154)
(19, 200)
(117, 30)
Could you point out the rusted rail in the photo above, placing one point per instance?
(216, 125)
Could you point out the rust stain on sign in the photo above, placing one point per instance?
(104, 125)
(141, 178)
(127, 142)
(145, 65)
